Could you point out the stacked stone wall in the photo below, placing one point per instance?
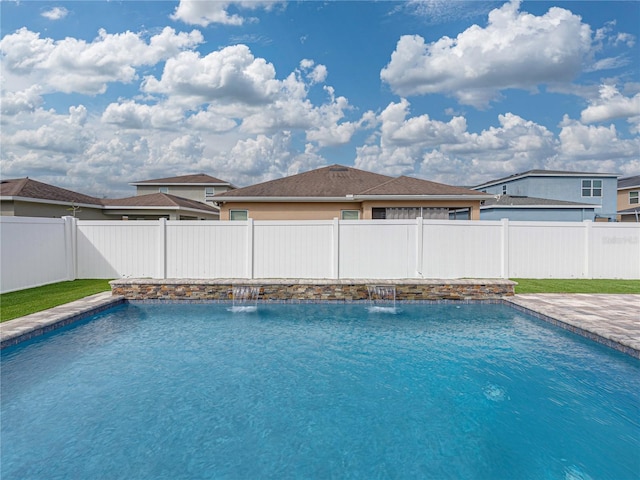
(283, 290)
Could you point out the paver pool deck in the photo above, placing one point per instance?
(611, 319)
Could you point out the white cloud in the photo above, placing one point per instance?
(51, 132)
(580, 142)
(610, 105)
(231, 75)
(515, 50)
(21, 101)
(263, 158)
(204, 13)
(131, 115)
(72, 65)
(55, 13)
(449, 153)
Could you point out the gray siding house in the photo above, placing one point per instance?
(548, 195)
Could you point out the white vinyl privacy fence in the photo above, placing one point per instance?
(39, 251)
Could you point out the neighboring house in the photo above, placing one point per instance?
(25, 197)
(535, 209)
(199, 187)
(580, 196)
(347, 193)
(628, 201)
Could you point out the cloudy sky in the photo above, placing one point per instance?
(96, 95)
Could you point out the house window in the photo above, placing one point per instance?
(209, 192)
(238, 214)
(633, 198)
(163, 189)
(349, 214)
(504, 189)
(410, 213)
(591, 188)
(378, 213)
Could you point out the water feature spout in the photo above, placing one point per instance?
(382, 298)
(245, 298)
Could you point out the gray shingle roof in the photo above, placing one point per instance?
(198, 178)
(340, 181)
(629, 182)
(415, 186)
(27, 188)
(513, 200)
(158, 200)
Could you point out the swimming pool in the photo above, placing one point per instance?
(318, 391)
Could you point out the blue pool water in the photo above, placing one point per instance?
(318, 392)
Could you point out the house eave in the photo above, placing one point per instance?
(283, 199)
(181, 184)
(423, 198)
(572, 207)
(50, 202)
(118, 209)
(351, 198)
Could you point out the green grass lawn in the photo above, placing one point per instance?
(31, 300)
(529, 285)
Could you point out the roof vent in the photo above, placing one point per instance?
(338, 169)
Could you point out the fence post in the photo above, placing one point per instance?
(250, 248)
(71, 246)
(504, 264)
(587, 248)
(162, 248)
(419, 246)
(335, 249)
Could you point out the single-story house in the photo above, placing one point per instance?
(25, 197)
(628, 199)
(595, 190)
(347, 193)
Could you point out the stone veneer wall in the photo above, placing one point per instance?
(310, 290)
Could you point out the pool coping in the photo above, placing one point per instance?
(21, 329)
(13, 332)
(576, 313)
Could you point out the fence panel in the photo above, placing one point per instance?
(378, 250)
(461, 249)
(292, 249)
(206, 249)
(116, 249)
(33, 252)
(547, 250)
(37, 251)
(615, 250)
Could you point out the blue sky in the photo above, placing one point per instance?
(96, 95)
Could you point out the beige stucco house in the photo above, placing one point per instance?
(348, 193)
(628, 199)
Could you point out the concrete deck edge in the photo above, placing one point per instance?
(621, 344)
(24, 328)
